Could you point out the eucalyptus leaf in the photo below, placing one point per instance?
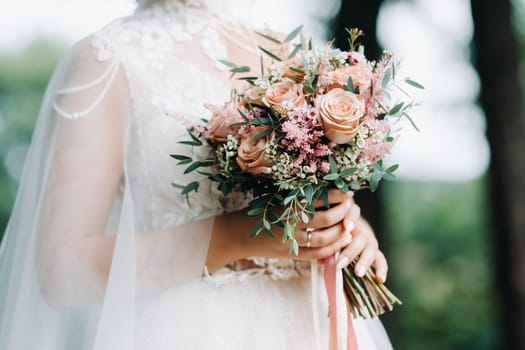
(392, 168)
(269, 53)
(331, 177)
(350, 84)
(262, 134)
(192, 186)
(374, 182)
(354, 186)
(272, 216)
(295, 51)
(228, 63)
(309, 193)
(288, 231)
(261, 121)
(176, 185)
(333, 164)
(396, 108)
(269, 37)
(414, 84)
(241, 69)
(294, 247)
(348, 171)
(389, 177)
(180, 157)
(243, 115)
(191, 143)
(304, 217)
(339, 183)
(255, 211)
(297, 70)
(256, 229)
(293, 34)
(260, 202)
(386, 78)
(411, 121)
(308, 89)
(269, 232)
(192, 167)
(326, 201)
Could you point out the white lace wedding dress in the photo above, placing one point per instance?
(101, 252)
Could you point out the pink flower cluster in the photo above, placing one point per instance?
(303, 135)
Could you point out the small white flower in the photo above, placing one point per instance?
(263, 83)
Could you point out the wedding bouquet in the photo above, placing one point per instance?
(313, 120)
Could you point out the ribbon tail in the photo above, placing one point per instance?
(314, 273)
(342, 333)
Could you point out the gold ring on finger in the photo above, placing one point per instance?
(309, 232)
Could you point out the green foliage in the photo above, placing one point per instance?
(438, 249)
(23, 78)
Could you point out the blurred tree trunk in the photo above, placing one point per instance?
(362, 14)
(497, 62)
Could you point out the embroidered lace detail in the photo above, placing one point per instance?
(256, 267)
(157, 27)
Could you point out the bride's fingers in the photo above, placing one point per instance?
(334, 197)
(329, 217)
(352, 251)
(324, 251)
(319, 238)
(368, 256)
(353, 214)
(381, 267)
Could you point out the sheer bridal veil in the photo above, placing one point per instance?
(76, 257)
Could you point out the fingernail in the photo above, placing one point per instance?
(342, 263)
(361, 271)
(349, 226)
(382, 277)
(348, 204)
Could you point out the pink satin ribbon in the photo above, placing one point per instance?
(330, 275)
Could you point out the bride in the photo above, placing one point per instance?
(101, 253)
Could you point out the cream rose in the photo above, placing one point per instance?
(286, 91)
(254, 95)
(339, 112)
(361, 76)
(251, 155)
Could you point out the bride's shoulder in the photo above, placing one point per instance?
(139, 30)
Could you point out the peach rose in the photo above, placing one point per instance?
(361, 76)
(286, 91)
(254, 95)
(339, 114)
(251, 155)
(219, 124)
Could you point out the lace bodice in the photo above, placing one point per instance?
(169, 56)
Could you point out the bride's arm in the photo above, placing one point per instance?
(86, 159)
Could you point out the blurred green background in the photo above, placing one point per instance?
(436, 233)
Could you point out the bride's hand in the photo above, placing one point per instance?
(230, 237)
(324, 235)
(365, 246)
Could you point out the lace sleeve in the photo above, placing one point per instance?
(87, 183)
(85, 171)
